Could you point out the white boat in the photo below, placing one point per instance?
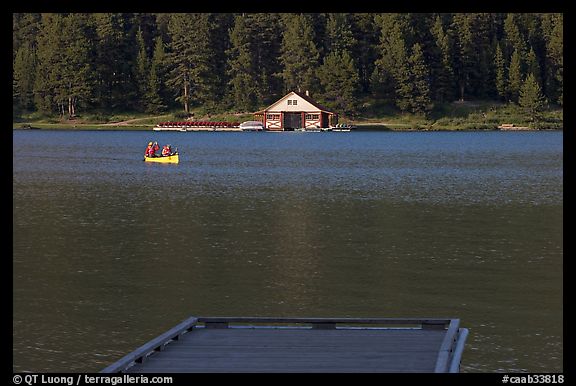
(343, 127)
(252, 126)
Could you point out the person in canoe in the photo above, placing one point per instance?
(151, 149)
(147, 149)
(166, 151)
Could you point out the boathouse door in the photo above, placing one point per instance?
(292, 121)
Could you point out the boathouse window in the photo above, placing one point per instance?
(289, 101)
(312, 116)
(273, 117)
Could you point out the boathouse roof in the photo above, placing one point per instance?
(311, 104)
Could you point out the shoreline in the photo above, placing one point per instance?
(481, 116)
(391, 127)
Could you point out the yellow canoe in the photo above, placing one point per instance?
(170, 159)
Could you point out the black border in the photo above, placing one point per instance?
(341, 6)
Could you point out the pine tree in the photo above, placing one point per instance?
(219, 25)
(155, 90)
(49, 49)
(141, 71)
(339, 33)
(515, 76)
(24, 73)
(391, 71)
(16, 109)
(409, 73)
(531, 100)
(365, 34)
(417, 99)
(242, 67)
(481, 74)
(25, 29)
(552, 26)
(64, 78)
(318, 23)
(147, 24)
(444, 75)
(500, 69)
(339, 79)
(266, 41)
(299, 54)
(514, 38)
(465, 58)
(533, 67)
(181, 32)
(197, 59)
(114, 60)
(77, 67)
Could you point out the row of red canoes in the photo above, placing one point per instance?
(199, 124)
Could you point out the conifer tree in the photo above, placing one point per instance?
(339, 33)
(481, 73)
(514, 38)
(142, 71)
(242, 67)
(197, 58)
(64, 76)
(49, 59)
(391, 72)
(299, 54)
(465, 52)
(339, 79)
(553, 31)
(531, 100)
(266, 43)
(77, 68)
(444, 75)
(15, 98)
(179, 78)
(25, 29)
(500, 72)
(23, 75)
(533, 67)
(219, 25)
(115, 52)
(365, 33)
(417, 99)
(155, 90)
(253, 59)
(514, 76)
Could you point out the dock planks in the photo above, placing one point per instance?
(330, 345)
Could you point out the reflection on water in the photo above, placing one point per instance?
(110, 251)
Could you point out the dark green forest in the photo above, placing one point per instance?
(69, 64)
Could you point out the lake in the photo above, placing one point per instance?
(110, 251)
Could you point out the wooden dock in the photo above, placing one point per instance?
(512, 127)
(303, 345)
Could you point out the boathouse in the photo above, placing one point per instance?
(296, 111)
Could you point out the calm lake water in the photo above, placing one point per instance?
(110, 251)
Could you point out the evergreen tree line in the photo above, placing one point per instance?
(154, 62)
